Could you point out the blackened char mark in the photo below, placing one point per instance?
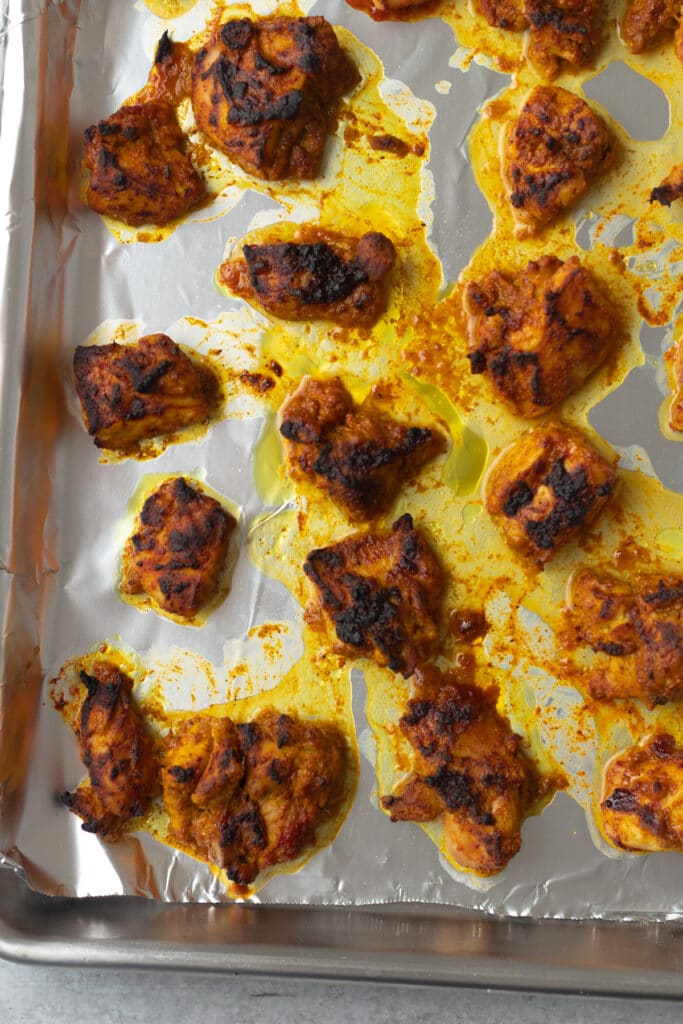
(164, 49)
(316, 274)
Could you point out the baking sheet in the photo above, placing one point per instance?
(70, 277)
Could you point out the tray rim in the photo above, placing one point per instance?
(517, 954)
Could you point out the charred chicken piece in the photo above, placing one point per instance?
(139, 172)
(177, 554)
(562, 32)
(647, 21)
(202, 779)
(328, 278)
(551, 154)
(546, 489)
(639, 626)
(358, 454)
(132, 392)
(539, 334)
(116, 749)
(670, 189)
(642, 806)
(382, 594)
(247, 797)
(469, 768)
(262, 92)
(505, 14)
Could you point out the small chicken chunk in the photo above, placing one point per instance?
(469, 769)
(647, 21)
(358, 454)
(139, 172)
(670, 189)
(129, 393)
(117, 750)
(546, 489)
(247, 797)
(382, 594)
(638, 625)
(539, 334)
(505, 14)
(262, 93)
(642, 805)
(177, 554)
(562, 32)
(557, 146)
(330, 277)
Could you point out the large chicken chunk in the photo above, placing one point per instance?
(382, 594)
(139, 172)
(247, 797)
(539, 334)
(262, 91)
(647, 21)
(325, 276)
(132, 392)
(642, 805)
(469, 769)
(358, 454)
(562, 32)
(637, 626)
(177, 554)
(551, 154)
(546, 489)
(116, 749)
(670, 189)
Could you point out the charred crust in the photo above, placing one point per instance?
(181, 774)
(328, 278)
(237, 34)
(615, 650)
(283, 733)
(519, 495)
(183, 493)
(249, 734)
(164, 48)
(456, 789)
(663, 194)
(663, 594)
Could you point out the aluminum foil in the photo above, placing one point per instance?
(66, 278)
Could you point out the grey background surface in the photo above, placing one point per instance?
(77, 995)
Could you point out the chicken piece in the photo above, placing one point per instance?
(562, 32)
(132, 392)
(551, 154)
(202, 778)
(117, 750)
(250, 796)
(647, 21)
(539, 334)
(469, 768)
(358, 454)
(330, 277)
(670, 189)
(639, 626)
(382, 594)
(642, 806)
(139, 172)
(547, 488)
(177, 554)
(676, 410)
(262, 92)
(505, 14)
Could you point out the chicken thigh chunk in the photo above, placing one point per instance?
(539, 334)
(262, 90)
(546, 489)
(469, 769)
(116, 749)
(382, 595)
(358, 454)
(330, 277)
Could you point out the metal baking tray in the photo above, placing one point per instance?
(405, 942)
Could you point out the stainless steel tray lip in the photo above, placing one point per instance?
(429, 947)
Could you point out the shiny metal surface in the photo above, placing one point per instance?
(61, 275)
